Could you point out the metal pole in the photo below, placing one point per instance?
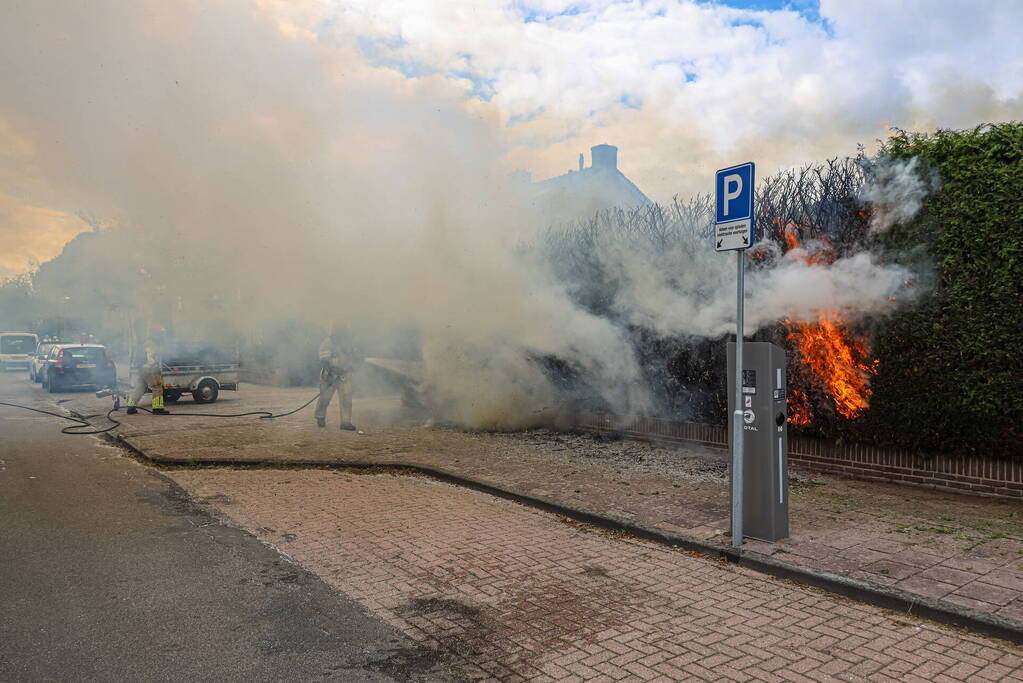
(737, 421)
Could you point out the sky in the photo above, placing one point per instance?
(681, 87)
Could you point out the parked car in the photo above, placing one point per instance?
(15, 348)
(37, 360)
(76, 365)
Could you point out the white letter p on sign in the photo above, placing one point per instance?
(734, 180)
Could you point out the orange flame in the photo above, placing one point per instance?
(837, 357)
(799, 408)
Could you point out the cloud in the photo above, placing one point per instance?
(714, 84)
(682, 87)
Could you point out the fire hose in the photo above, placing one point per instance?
(83, 422)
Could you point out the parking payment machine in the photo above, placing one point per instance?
(765, 487)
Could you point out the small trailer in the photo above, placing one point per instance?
(204, 381)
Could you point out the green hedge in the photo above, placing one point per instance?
(951, 367)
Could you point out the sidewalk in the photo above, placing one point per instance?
(957, 554)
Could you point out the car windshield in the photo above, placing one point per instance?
(76, 355)
(17, 343)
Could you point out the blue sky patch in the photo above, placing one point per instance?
(808, 9)
(380, 52)
(536, 15)
(631, 101)
(525, 118)
(483, 88)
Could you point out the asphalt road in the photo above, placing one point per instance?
(108, 571)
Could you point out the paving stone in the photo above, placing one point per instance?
(1014, 610)
(972, 603)
(863, 556)
(948, 575)
(916, 558)
(885, 545)
(969, 562)
(1008, 577)
(892, 569)
(421, 555)
(926, 587)
(842, 526)
(987, 593)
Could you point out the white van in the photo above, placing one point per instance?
(15, 348)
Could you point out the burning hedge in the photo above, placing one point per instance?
(887, 234)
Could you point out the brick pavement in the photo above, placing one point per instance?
(511, 593)
(963, 550)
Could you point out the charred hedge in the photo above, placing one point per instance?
(686, 374)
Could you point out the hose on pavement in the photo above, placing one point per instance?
(83, 422)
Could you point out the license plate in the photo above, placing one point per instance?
(85, 365)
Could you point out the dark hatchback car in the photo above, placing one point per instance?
(77, 365)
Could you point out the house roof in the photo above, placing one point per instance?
(581, 193)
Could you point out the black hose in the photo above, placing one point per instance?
(263, 414)
(83, 421)
(73, 429)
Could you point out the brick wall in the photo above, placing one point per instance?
(976, 474)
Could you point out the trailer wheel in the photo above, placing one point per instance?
(206, 392)
(171, 395)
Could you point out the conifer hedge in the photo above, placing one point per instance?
(951, 367)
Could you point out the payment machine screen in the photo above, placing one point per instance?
(749, 381)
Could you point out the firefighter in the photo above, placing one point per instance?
(150, 374)
(339, 358)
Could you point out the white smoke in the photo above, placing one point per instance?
(693, 291)
(897, 190)
(257, 172)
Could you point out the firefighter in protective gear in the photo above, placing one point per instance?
(150, 375)
(339, 358)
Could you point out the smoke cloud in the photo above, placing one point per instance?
(253, 171)
(691, 291)
(248, 170)
(897, 190)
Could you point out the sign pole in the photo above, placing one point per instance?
(735, 193)
(737, 416)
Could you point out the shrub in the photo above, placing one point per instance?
(951, 365)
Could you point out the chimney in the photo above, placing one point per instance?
(580, 161)
(604, 156)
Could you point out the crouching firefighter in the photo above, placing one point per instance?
(150, 374)
(339, 358)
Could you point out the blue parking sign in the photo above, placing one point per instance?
(733, 223)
